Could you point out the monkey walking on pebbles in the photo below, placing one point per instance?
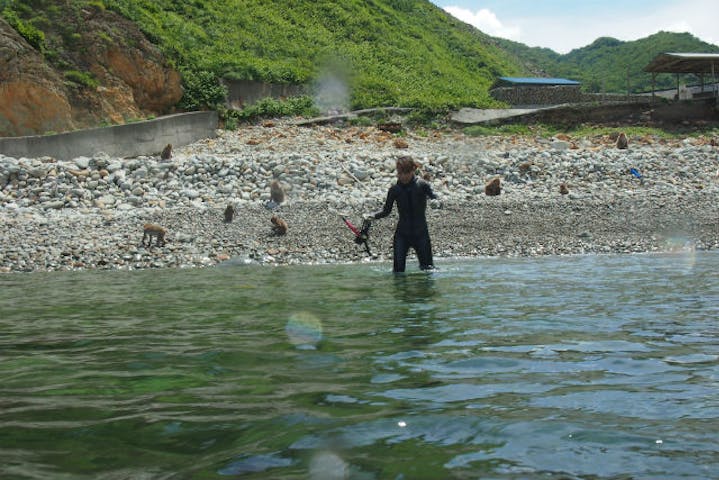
(150, 230)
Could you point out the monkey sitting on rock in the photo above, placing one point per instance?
(279, 226)
(622, 142)
(229, 213)
(493, 187)
(166, 152)
(277, 193)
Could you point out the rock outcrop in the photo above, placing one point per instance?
(129, 78)
(32, 96)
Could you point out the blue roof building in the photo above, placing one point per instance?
(534, 82)
(533, 91)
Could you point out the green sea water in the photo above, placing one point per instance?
(586, 367)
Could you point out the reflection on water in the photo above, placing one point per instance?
(564, 367)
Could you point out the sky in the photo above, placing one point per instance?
(564, 25)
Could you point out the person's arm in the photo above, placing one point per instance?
(428, 190)
(434, 203)
(387, 206)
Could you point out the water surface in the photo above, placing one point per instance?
(586, 367)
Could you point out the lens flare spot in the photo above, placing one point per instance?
(328, 466)
(304, 330)
(683, 249)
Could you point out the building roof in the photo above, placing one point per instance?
(684, 63)
(535, 81)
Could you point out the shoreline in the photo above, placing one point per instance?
(88, 213)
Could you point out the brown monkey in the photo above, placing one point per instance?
(229, 213)
(150, 230)
(277, 193)
(622, 142)
(563, 188)
(166, 152)
(279, 226)
(493, 187)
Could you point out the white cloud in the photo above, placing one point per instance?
(563, 31)
(486, 21)
(697, 17)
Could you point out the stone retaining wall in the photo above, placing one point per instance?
(546, 95)
(130, 140)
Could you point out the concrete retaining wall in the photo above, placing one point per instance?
(677, 112)
(243, 93)
(576, 114)
(632, 112)
(141, 138)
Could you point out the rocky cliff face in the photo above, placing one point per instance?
(125, 76)
(33, 98)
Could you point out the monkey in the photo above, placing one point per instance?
(400, 143)
(166, 152)
(279, 226)
(229, 213)
(277, 193)
(622, 142)
(150, 230)
(493, 188)
(525, 167)
(563, 188)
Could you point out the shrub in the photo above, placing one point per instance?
(270, 107)
(34, 37)
(203, 90)
(81, 78)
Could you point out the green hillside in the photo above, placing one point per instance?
(390, 52)
(609, 64)
(406, 53)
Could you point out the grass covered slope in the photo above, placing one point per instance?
(390, 52)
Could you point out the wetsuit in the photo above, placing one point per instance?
(411, 229)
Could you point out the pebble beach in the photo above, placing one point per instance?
(88, 213)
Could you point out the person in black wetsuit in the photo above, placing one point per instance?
(410, 193)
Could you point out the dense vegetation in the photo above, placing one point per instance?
(389, 52)
(610, 65)
(386, 52)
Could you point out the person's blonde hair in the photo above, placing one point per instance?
(406, 165)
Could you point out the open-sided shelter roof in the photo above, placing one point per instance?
(684, 63)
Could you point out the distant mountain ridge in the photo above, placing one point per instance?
(608, 64)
